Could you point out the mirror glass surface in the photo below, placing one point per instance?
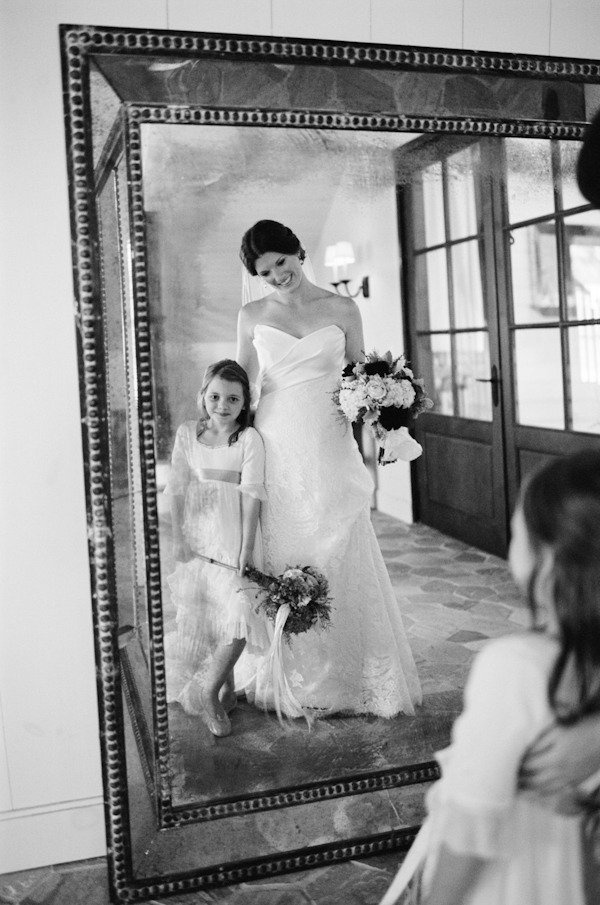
(202, 187)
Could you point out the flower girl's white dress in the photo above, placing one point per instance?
(317, 513)
(532, 853)
(213, 605)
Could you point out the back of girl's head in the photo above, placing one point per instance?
(266, 236)
(561, 509)
(229, 370)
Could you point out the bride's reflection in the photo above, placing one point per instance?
(295, 341)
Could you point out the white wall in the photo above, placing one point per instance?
(50, 788)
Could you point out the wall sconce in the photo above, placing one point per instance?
(339, 256)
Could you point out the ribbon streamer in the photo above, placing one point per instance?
(283, 696)
(399, 445)
(409, 868)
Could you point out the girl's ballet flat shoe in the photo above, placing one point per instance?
(219, 725)
(229, 702)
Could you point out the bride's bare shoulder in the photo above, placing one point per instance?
(251, 313)
(344, 308)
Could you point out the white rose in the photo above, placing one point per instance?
(376, 389)
(293, 573)
(304, 601)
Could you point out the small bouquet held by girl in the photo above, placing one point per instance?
(383, 393)
(295, 601)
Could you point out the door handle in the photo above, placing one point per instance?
(495, 382)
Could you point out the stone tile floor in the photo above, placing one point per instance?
(350, 883)
(453, 599)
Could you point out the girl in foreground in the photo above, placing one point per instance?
(485, 841)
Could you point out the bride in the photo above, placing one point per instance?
(294, 341)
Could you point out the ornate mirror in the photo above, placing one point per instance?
(177, 142)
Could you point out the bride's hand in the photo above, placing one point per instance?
(244, 563)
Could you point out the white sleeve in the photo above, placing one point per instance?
(179, 475)
(505, 708)
(252, 480)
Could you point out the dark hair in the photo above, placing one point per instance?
(230, 370)
(561, 509)
(588, 178)
(265, 236)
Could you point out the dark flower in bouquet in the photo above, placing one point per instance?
(383, 393)
(301, 590)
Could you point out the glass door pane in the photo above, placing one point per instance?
(538, 378)
(582, 240)
(433, 206)
(529, 182)
(534, 272)
(435, 357)
(462, 208)
(473, 366)
(467, 289)
(431, 271)
(584, 374)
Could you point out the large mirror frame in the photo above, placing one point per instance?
(80, 47)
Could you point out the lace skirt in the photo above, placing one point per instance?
(318, 513)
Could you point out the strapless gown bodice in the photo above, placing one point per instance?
(285, 360)
(317, 513)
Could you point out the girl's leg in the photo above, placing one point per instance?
(223, 661)
(227, 694)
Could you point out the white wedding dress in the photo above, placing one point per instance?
(318, 513)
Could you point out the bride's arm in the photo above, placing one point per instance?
(355, 341)
(245, 354)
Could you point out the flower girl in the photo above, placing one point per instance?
(215, 488)
(485, 841)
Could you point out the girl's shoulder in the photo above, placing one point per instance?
(187, 430)
(522, 653)
(250, 437)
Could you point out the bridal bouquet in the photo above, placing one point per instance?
(295, 601)
(299, 593)
(384, 394)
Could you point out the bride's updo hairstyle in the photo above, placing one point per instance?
(266, 236)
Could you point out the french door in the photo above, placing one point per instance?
(501, 276)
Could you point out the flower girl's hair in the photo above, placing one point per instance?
(229, 370)
(561, 509)
(266, 236)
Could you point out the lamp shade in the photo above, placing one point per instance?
(330, 256)
(339, 254)
(345, 253)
